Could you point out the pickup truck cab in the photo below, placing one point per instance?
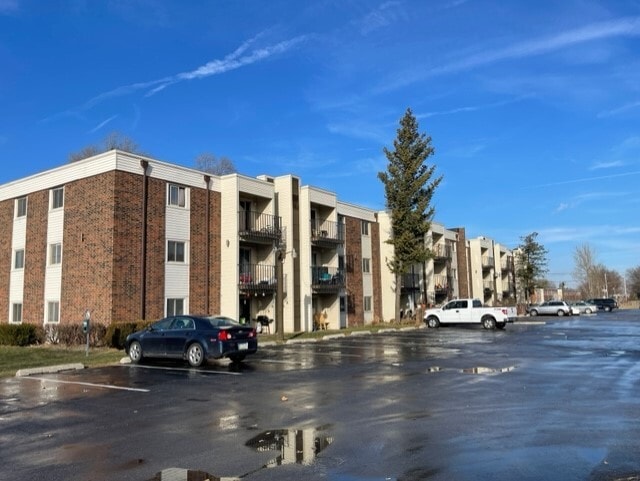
(467, 311)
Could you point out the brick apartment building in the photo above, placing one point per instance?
(132, 238)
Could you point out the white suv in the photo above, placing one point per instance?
(552, 308)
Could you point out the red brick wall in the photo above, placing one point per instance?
(87, 249)
(35, 257)
(353, 252)
(6, 220)
(127, 247)
(198, 263)
(156, 249)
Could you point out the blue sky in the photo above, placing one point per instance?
(533, 107)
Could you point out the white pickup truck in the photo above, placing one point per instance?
(467, 311)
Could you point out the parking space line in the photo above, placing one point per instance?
(183, 369)
(89, 384)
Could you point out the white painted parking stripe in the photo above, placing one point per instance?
(184, 369)
(89, 384)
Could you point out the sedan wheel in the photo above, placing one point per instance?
(587, 311)
(560, 313)
(533, 312)
(195, 355)
(135, 352)
(607, 309)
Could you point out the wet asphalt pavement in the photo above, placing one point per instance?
(553, 401)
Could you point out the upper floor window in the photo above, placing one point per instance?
(177, 195)
(57, 198)
(18, 259)
(365, 227)
(55, 254)
(366, 265)
(21, 207)
(175, 251)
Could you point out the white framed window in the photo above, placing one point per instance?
(18, 259)
(21, 207)
(57, 198)
(367, 303)
(177, 195)
(53, 312)
(16, 312)
(365, 227)
(55, 254)
(366, 265)
(175, 306)
(176, 251)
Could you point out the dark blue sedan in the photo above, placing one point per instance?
(194, 338)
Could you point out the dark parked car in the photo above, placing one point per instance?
(193, 338)
(604, 304)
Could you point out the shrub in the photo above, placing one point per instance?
(72, 335)
(18, 334)
(117, 332)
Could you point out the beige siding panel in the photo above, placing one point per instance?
(322, 197)
(357, 212)
(259, 188)
(229, 248)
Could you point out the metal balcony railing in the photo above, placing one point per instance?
(327, 233)
(441, 283)
(488, 262)
(257, 277)
(259, 227)
(507, 264)
(442, 252)
(410, 282)
(327, 279)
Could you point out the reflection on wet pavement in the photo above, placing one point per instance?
(300, 446)
(487, 370)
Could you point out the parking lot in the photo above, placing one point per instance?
(552, 398)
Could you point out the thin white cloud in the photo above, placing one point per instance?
(383, 16)
(241, 57)
(607, 165)
(471, 108)
(622, 27)
(102, 124)
(619, 110)
(9, 6)
(586, 179)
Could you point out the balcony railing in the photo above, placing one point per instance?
(410, 282)
(488, 286)
(327, 233)
(258, 227)
(441, 252)
(257, 277)
(441, 284)
(507, 264)
(488, 262)
(327, 279)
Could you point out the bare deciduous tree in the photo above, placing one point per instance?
(585, 269)
(207, 162)
(114, 140)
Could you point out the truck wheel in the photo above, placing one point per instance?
(488, 322)
(433, 322)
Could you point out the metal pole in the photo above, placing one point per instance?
(279, 295)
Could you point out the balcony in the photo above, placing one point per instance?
(257, 278)
(259, 228)
(327, 234)
(410, 282)
(442, 253)
(327, 280)
(441, 284)
(506, 265)
(488, 262)
(488, 287)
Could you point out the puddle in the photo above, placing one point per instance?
(434, 369)
(487, 370)
(300, 446)
(180, 474)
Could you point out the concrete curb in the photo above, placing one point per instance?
(49, 369)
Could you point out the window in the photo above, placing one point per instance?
(57, 198)
(365, 227)
(175, 307)
(18, 259)
(16, 312)
(367, 303)
(55, 254)
(53, 311)
(21, 207)
(175, 251)
(366, 265)
(177, 195)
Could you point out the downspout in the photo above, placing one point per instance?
(207, 179)
(143, 269)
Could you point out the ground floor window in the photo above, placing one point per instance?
(16, 312)
(367, 303)
(175, 306)
(53, 312)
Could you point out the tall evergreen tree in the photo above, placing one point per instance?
(531, 263)
(409, 188)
